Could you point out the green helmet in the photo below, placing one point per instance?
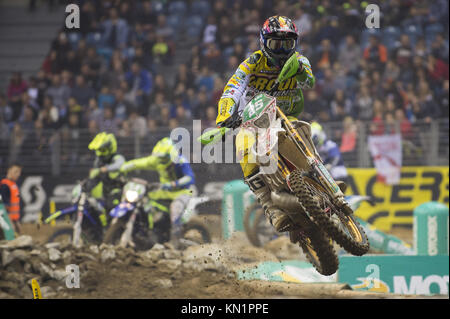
(166, 152)
(104, 144)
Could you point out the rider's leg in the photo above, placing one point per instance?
(253, 179)
(177, 208)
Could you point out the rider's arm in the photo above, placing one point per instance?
(305, 78)
(149, 163)
(188, 176)
(236, 86)
(117, 162)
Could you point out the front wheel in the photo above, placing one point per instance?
(342, 228)
(115, 230)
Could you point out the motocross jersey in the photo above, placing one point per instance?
(255, 75)
(179, 171)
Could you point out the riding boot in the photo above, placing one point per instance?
(277, 218)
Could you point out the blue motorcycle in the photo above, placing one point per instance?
(88, 215)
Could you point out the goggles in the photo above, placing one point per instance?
(280, 45)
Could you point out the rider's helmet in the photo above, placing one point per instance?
(104, 144)
(278, 39)
(318, 136)
(166, 152)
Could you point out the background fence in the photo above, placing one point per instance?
(47, 152)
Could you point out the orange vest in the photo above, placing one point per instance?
(13, 207)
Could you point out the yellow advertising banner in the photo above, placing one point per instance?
(394, 204)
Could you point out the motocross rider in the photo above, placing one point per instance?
(329, 153)
(258, 73)
(106, 169)
(176, 177)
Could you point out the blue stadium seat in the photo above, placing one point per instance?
(364, 39)
(74, 38)
(414, 32)
(94, 38)
(431, 31)
(196, 21)
(390, 37)
(174, 21)
(178, 8)
(200, 7)
(193, 31)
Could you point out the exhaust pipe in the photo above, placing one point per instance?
(286, 201)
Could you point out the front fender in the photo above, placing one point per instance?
(121, 209)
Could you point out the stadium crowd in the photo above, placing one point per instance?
(118, 72)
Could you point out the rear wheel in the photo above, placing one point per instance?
(342, 228)
(258, 230)
(199, 227)
(318, 249)
(64, 235)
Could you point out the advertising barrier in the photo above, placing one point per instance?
(420, 275)
(394, 204)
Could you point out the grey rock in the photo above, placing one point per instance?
(54, 254)
(35, 252)
(7, 258)
(47, 291)
(108, 254)
(52, 245)
(66, 254)
(172, 254)
(158, 247)
(164, 283)
(23, 241)
(169, 265)
(94, 249)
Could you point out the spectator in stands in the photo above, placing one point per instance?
(108, 123)
(61, 48)
(146, 16)
(364, 103)
(163, 29)
(15, 89)
(325, 55)
(115, 31)
(348, 142)
(58, 92)
(105, 97)
(140, 82)
(403, 53)
(81, 92)
(6, 112)
(210, 30)
(349, 55)
(138, 124)
(160, 51)
(376, 54)
(205, 79)
(121, 106)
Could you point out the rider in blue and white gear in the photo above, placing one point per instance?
(329, 152)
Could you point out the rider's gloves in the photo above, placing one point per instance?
(233, 121)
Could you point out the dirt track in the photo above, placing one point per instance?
(130, 276)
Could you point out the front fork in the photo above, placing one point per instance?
(76, 238)
(324, 176)
(126, 238)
